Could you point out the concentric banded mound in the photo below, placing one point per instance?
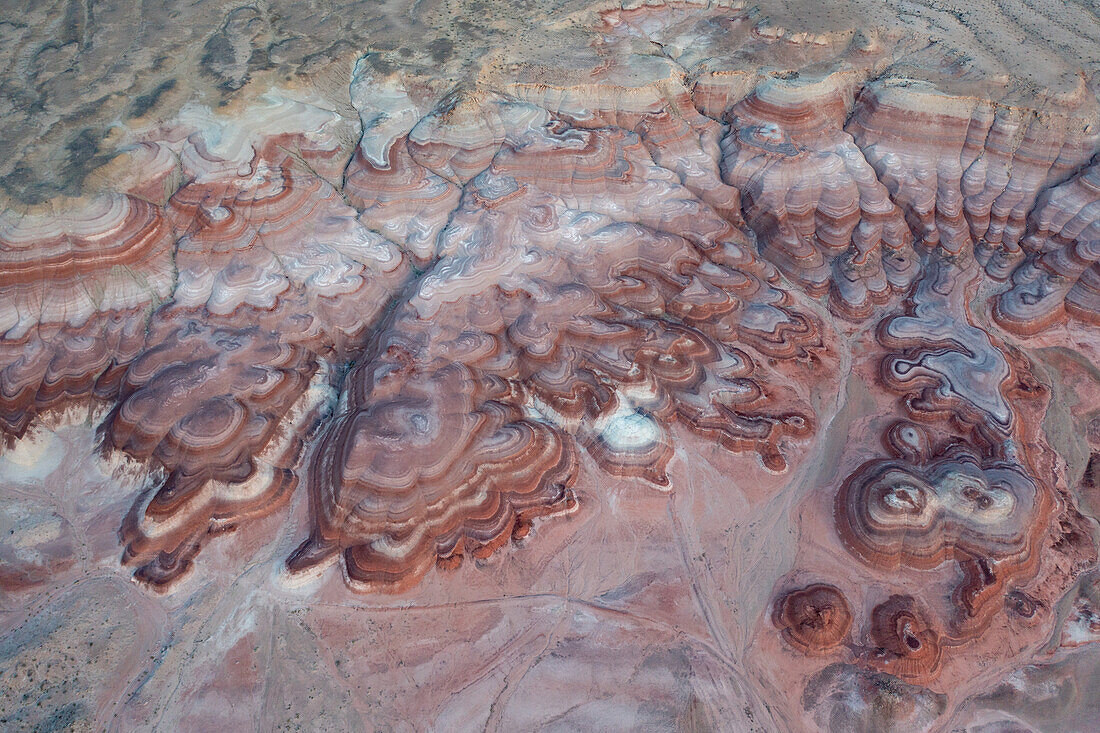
(815, 619)
(905, 642)
(76, 283)
(893, 514)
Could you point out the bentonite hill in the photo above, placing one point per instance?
(465, 365)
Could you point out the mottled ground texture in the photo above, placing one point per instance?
(488, 365)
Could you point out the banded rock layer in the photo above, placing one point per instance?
(597, 260)
(561, 265)
(554, 317)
